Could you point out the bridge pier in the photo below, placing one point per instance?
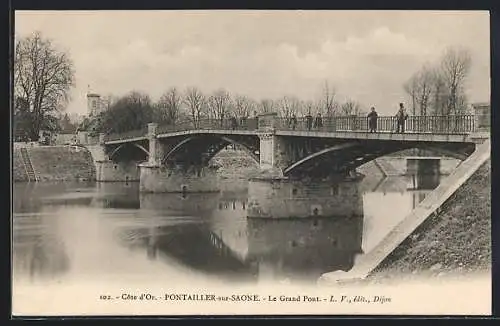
(423, 166)
(275, 197)
(109, 171)
(157, 178)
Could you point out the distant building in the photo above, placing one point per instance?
(95, 104)
(482, 111)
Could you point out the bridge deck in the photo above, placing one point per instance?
(452, 128)
(389, 136)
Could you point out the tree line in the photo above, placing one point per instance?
(135, 109)
(439, 88)
(44, 76)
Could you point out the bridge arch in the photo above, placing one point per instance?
(351, 155)
(314, 156)
(117, 149)
(221, 142)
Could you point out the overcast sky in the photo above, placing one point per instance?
(366, 55)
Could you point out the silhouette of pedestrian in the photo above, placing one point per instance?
(401, 117)
(293, 121)
(318, 122)
(256, 119)
(309, 121)
(372, 120)
(234, 122)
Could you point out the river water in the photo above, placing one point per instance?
(73, 232)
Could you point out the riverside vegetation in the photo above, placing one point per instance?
(456, 240)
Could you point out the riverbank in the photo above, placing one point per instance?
(55, 163)
(455, 241)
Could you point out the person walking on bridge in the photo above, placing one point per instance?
(309, 121)
(234, 122)
(372, 120)
(401, 117)
(293, 121)
(318, 122)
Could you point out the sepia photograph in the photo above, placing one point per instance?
(250, 162)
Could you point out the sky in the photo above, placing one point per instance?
(365, 55)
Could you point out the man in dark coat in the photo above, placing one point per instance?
(309, 121)
(234, 122)
(293, 121)
(372, 120)
(318, 122)
(401, 117)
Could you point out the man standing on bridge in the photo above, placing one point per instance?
(401, 117)
(372, 120)
(293, 121)
(309, 120)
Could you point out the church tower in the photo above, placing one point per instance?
(93, 103)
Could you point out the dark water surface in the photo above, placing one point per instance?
(85, 231)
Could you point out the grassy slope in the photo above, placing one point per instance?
(456, 240)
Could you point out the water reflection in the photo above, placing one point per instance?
(67, 229)
(303, 249)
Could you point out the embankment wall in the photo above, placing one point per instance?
(55, 163)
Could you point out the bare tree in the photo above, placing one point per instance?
(169, 106)
(411, 88)
(425, 83)
(266, 106)
(196, 104)
(219, 105)
(288, 106)
(243, 106)
(455, 66)
(43, 77)
(328, 103)
(439, 93)
(310, 107)
(108, 100)
(350, 107)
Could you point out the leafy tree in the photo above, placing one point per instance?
(66, 125)
(130, 112)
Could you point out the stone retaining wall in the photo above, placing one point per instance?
(56, 163)
(18, 170)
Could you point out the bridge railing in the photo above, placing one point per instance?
(209, 124)
(451, 124)
(127, 135)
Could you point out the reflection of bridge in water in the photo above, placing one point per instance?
(217, 238)
(211, 234)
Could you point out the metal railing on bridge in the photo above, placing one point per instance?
(127, 135)
(451, 124)
(247, 124)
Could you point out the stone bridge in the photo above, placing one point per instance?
(176, 158)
